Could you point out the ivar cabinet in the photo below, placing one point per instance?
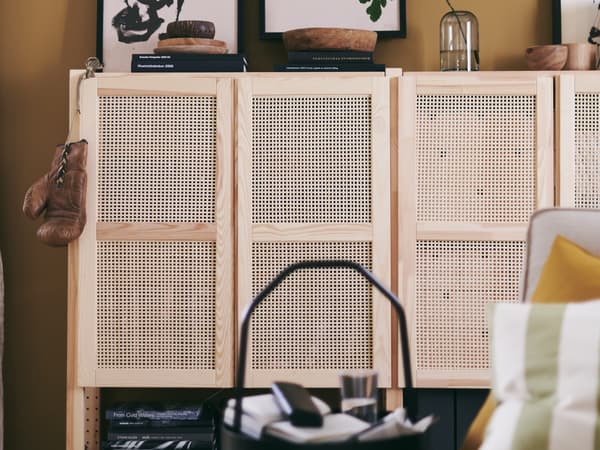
(200, 189)
(202, 186)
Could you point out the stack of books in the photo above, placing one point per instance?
(150, 426)
(330, 61)
(188, 62)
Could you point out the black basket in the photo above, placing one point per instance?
(233, 439)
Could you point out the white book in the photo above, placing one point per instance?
(336, 427)
(258, 411)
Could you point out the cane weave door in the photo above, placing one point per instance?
(475, 160)
(578, 178)
(154, 266)
(313, 183)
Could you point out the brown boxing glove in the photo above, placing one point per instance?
(61, 192)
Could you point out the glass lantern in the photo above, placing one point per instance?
(459, 41)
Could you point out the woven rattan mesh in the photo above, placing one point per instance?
(455, 280)
(587, 151)
(476, 158)
(156, 159)
(156, 305)
(316, 319)
(311, 159)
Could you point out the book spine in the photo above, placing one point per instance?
(190, 66)
(155, 444)
(329, 57)
(329, 68)
(150, 424)
(114, 436)
(150, 57)
(149, 414)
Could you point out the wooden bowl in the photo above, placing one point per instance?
(191, 28)
(318, 39)
(546, 57)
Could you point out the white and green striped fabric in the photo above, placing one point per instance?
(546, 371)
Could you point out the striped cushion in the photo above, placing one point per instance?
(546, 367)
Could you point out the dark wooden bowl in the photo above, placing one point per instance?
(191, 28)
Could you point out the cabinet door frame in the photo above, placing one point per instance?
(410, 230)
(83, 263)
(568, 86)
(377, 232)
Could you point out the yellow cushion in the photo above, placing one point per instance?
(569, 274)
(474, 437)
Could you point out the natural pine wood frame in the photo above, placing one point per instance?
(378, 232)
(409, 231)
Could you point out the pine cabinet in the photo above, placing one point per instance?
(201, 187)
(299, 165)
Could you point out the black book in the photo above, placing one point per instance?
(180, 57)
(189, 66)
(144, 424)
(154, 444)
(350, 67)
(208, 436)
(329, 57)
(157, 411)
(188, 63)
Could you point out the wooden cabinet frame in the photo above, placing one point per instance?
(411, 230)
(84, 377)
(377, 232)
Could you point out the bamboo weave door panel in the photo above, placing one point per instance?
(313, 183)
(155, 261)
(579, 127)
(475, 160)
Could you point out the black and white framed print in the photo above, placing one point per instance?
(387, 17)
(133, 26)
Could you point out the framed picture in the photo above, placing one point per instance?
(572, 20)
(126, 27)
(556, 22)
(278, 16)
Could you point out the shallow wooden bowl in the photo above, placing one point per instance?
(307, 39)
(546, 57)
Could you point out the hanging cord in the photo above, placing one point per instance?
(91, 65)
(462, 32)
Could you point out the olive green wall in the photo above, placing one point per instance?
(39, 41)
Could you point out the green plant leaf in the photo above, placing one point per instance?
(374, 10)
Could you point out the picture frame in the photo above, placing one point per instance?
(115, 54)
(277, 16)
(572, 20)
(556, 22)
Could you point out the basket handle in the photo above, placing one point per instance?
(241, 368)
